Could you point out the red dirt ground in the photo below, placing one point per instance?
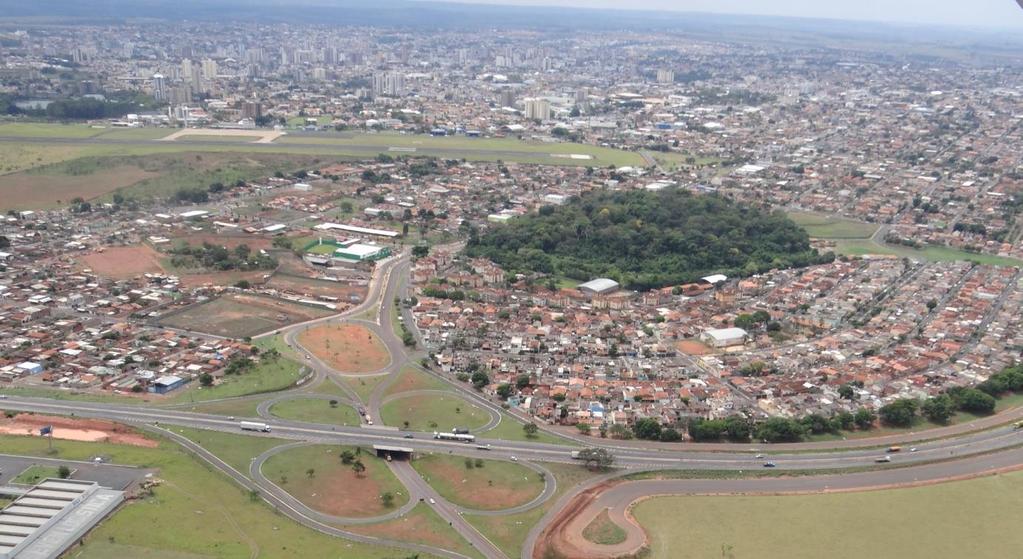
(557, 540)
(693, 347)
(348, 348)
(94, 430)
(123, 262)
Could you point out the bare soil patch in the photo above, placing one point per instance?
(693, 347)
(238, 316)
(28, 190)
(348, 348)
(123, 262)
(91, 430)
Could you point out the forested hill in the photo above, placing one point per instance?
(647, 239)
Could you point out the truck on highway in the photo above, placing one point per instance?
(483, 447)
(460, 431)
(254, 426)
(462, 437)
(894, 449)
(575, 455)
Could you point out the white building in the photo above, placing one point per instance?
(724, 337)
(537, 109)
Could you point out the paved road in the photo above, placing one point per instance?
(108, 475)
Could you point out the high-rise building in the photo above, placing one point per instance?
(388, 83)
(319, 74)
(507, 98)
(252, 109)
(209, 68)
(665, 76)
(537, 108)
(159, 87)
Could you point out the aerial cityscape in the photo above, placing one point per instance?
(416, 279)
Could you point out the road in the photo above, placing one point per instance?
(953, 451)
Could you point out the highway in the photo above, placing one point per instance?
(954, 451)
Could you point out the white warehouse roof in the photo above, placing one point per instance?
(723, 334)
(599, 285)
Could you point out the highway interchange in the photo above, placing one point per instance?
(964, 450)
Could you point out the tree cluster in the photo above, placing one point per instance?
(647, 239)
(216, 257)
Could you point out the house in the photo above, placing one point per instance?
(166, 384)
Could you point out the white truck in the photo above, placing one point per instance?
(254, 426)
(575, 455)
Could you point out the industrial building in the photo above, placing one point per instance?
(724, 337)
(362, 253)
(53, 515)
(599, 286)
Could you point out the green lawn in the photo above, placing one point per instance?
(34, 474)
(411, 378)
(46, 130)
(603, 531)
(421, 525)
(861, 247)
(315, 410)
(236, 408)
(322, 249)
(200, 512)
(832, 227)
(494, 486)
(975, 518)
(363, 385)
(433, 412)
(333, 487)
(508, 532)
(235, 449)
(510, 429)
(269, 376)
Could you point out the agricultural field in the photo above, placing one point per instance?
(433, 412)
(240, 316)
(333, 487)
(348, 348)
(123, 262)
(202, 513)
(486, 485)
(792, 526)
(315, 410)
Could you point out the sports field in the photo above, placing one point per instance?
(479, 485)
(945, 520)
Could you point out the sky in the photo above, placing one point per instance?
(983, 13)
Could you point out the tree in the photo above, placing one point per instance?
(468, 463)
(283, 242)
(738, 428)
(531, 429)
(620, 431)
(900, 413)
(419, 251)
(480, 379)
(584, 428)
(647, 428)
(242, 284)
(347, 457)
(864, 418)
(206, 379)
(780, 429)
(974, 401)
(670, 435)
(522, 381)
(940, 408)
(310, 473)
(358, 467)
(597, 458)
(505, 390)
(846, 392)
(63, 472)
(387, 499)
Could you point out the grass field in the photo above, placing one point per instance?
(61, 394)
(508, 532)
(421, 525)
(974, 518)
(433, 412)
(929, 253)
(239, 316)
(34, 474)
(315, 411)
(235, 449)
(602, 531)
(411, 378)
(494, 486)
(45, 130)
(510, 429)
(831, 227)
(201, 514)
(270, 375)
(348, 348)
(363, 386)
(236, 408)
(334, 488)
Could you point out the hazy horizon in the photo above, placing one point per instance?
(977, 13)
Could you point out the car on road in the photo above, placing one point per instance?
(307, 356)
(914, 449)
(769, 464)
(514, 459)
(883, 459)
(3, 396)
(408, 436)
(759, 456)
(432, 502)
(895, 449)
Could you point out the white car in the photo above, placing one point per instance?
(514, 459)
(432, 502)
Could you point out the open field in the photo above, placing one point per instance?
(270, 375)
(316, 287)
(237, 450)
(363, 386)
(510, 429)
(123, 262)
(831, 227)
(226, 240)
(410, 379)
(348, 348)
(201, 514)
(34, 474)
(18, 157)
(945, 520)
(314, 410)
(693, 347)
(240, 316)
(929, 253)
(508, 532)
(236, 408)
(602, 531)
(433, 412)
(494, 486)
(46, 130)
(334, 488)
(422, 525)
(43, 189)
